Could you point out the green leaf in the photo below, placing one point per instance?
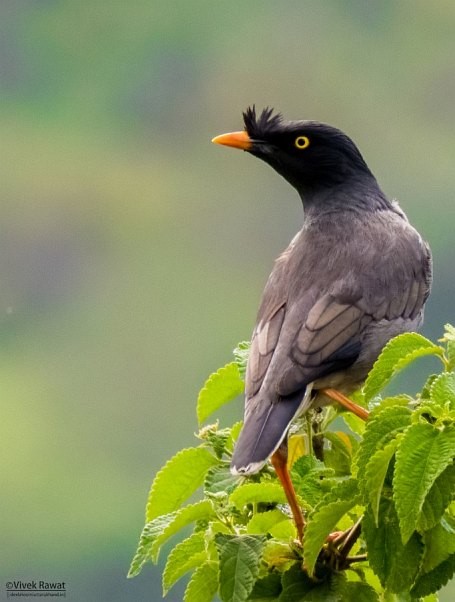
(339, 455)
(394, 563)
(240, 556)
(149, 534)
(186, 555)
(307, 473)
(203, 584)
(443, 390)
(241, 353)
(382, 426)
(298, 587)
(255, 493)
(432, 581)
(357, 591)
(439, 545)
(356, 424)
(425, 393)
(266, 522)
(396, 355)
(202, 510)
(423, 454)
(267, 589)
(324, 519)
(177, 480)
(309, 466)
(157, 531)
(438, 498)
(375, 474)
(278, 555)
(449, 340)
(234, 435)
(219, 479)
(221, 386)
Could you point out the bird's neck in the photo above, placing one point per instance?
(357, 194)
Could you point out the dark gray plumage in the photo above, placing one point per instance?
(356, 275)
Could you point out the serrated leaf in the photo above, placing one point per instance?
(310, 466)
(439, 545)
(235, 432)
(285, 530)
(241, 353)
(380, 403)
(221, 387)
(219, 479)
(383, 426)
(425, 393)
(375, 474)
(359, 592)
(202, 510)
(449, 340)
(262, 522)
(396, 355)
(278, 555)
(432, 581)
(339, 455)
(394, 563)
(157, 531)
(438, 498)
(150, 533)
(295, 585)
(274, 522)
(177, 480)
(307, 474)
(254, 493)
(240, 556)
(296, 449)
(203, 584)
(325, 518)
(298, 587)
(186, 555)
(442, 390)
(353, 422)
(424, 452)
(267, 589)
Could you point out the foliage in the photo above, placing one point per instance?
(380, 508)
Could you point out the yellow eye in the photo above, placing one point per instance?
(302, 142)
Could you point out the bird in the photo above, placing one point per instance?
(356, 275)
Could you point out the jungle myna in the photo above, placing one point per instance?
(354, 276)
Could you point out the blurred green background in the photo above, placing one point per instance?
(133, 252)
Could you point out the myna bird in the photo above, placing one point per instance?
(354, 276)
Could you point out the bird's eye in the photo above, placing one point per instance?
(302, 142)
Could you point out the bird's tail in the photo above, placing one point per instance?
(265, 427)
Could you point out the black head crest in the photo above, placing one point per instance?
(258, 126)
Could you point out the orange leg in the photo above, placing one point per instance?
(279, 461)
(346, 403)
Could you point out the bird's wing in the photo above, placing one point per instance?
(263, 344)
(328, 340)
(316, 330)
(311, 329)
(339, 328)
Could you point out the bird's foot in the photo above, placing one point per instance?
(335, 552)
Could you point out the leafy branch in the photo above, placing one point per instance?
(378, 497)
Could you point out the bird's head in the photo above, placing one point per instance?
(309, 155)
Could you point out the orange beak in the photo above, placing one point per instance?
(235, 139)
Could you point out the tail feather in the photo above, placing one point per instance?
(264, 429)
